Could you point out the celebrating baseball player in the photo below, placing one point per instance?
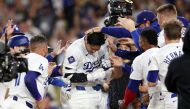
(31, 92)
(83, 66)
(148, 42)
(160, 98)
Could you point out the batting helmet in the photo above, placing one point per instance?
(18, 40)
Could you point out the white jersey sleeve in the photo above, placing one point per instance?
(137, 70)
(153, 64)
(37, 63)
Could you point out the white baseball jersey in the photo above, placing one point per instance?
(78, 60)
(161, 39)
(161, 60)
(39, 64)
(140, 65)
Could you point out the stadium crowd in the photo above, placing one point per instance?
(65, 22)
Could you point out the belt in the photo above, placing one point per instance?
(27, 103)
(97, 87)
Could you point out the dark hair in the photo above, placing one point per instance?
(36, 41)
(167, 8)
(96, 38)
(150, 35)
(172, 29)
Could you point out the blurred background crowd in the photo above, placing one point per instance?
(69, 19)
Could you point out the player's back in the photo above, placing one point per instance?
(163, 58)
(141, 63)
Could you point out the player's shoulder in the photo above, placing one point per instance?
(36, 58)
(148, 53)
(76, 45)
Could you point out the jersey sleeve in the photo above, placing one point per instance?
(37, 64)
(153, 69)
(71, 60)
(153, 63)
(136, 70)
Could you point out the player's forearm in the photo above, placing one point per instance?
(56, 71)
(135, 35)
(116, 32)
(30, 81)
(76, 77)
(49, 57)
(127, 54)
(57, 82)
(99, 74)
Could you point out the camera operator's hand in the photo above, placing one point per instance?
(126, 23)
(95, 29)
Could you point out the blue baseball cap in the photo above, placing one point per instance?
(183, 20)
(18, 40)
(144, 16)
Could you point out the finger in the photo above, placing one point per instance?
(119, 23)
(62, 49)
(9, 23)
(59, 43)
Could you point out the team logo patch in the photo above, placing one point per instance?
(71, 59)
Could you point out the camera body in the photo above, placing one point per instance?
(11, 65)
(118, 8)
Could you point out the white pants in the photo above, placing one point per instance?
(163, 100)
(87, 99)
(11, 104)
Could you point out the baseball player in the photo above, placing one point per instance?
(12, 30)
(148, 42)
(160, 98)
(17, 44)
(82, 65)
(31, 92)
(166, 13)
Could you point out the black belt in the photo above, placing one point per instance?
(27, 103)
